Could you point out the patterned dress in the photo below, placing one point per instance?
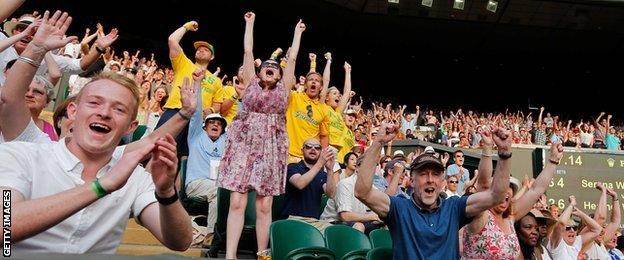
(491, 242)
(256, 149)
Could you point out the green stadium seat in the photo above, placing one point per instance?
(247, 241)
(380, 238)
(324, 199)
(291, 239)
(347, 242)
(278, 203)
(379, 253)
(193, 205)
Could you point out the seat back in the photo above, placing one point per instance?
(344, 239)
(288, 235)
(138, 132)
(380, 238)
(379, 253)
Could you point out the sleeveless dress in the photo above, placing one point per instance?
(491, 242)
(256, 150)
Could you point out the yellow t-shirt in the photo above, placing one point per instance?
(305, 119)
(228, 93)
(336, 127)
(183, 67)
(348, 141)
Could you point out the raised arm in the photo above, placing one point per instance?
(14, 113)
(249, 71)
(312, 57)
(600, 215)
(54, 72)
(523, 205)
(597, 121)
(8, 7)
(98, 49)
(484, 200)
(326, 77)
(485, 163)
(562, 222)
(616, 216)
(30, 30)
(289, 72)
(594, 228)
(539, 118)
(376, 200)
(174, 125)
(174, 39)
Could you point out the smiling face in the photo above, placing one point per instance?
(311, 150)
(20, 46)
(428, 182)
(104, 111)
(314, 82)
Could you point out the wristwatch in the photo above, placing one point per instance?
(166, 201)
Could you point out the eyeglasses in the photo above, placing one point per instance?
(453, 182)
(568, 228)
(214, 121)
(312, 146)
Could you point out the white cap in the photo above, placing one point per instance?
(429, 149)
(218, 117)
(398, 152)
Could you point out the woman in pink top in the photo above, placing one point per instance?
(39, 94)
(491, 235)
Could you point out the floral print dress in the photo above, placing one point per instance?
(256, 149)
(491, 242)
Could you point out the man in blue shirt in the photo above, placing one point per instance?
(206, 141)
(426, 226)
(307, 180)
(457, 169)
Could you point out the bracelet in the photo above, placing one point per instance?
(486, 155)
(99, 49)
(183, 115)
(29, 61)
(504, 156)
(553, 161)
(98, 189)
(166, 201)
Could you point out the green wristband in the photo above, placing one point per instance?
(98, 189)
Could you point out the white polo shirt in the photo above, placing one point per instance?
(41, 170)
(345, 200)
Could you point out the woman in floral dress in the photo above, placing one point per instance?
(256, 150)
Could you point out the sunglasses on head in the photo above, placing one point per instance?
(311, 146)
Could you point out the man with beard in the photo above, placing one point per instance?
(183, 67)
(307, 181)
(306, 117)
(426, 226)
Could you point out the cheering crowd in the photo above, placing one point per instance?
(75, 181)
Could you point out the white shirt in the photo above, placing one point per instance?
(449, 193)
(31, 134)
(41, 170)
(564, 251)
(596, 251)
(345, 200)
(65, 64)
(545, 254)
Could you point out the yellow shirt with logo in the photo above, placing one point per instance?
(228, 93)
(183, 67)
(305, 119)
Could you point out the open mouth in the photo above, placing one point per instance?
(269, 73)
(430, 191)
(100, 128)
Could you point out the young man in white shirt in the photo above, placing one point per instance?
(73, 196)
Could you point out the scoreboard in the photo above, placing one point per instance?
(577, 174)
